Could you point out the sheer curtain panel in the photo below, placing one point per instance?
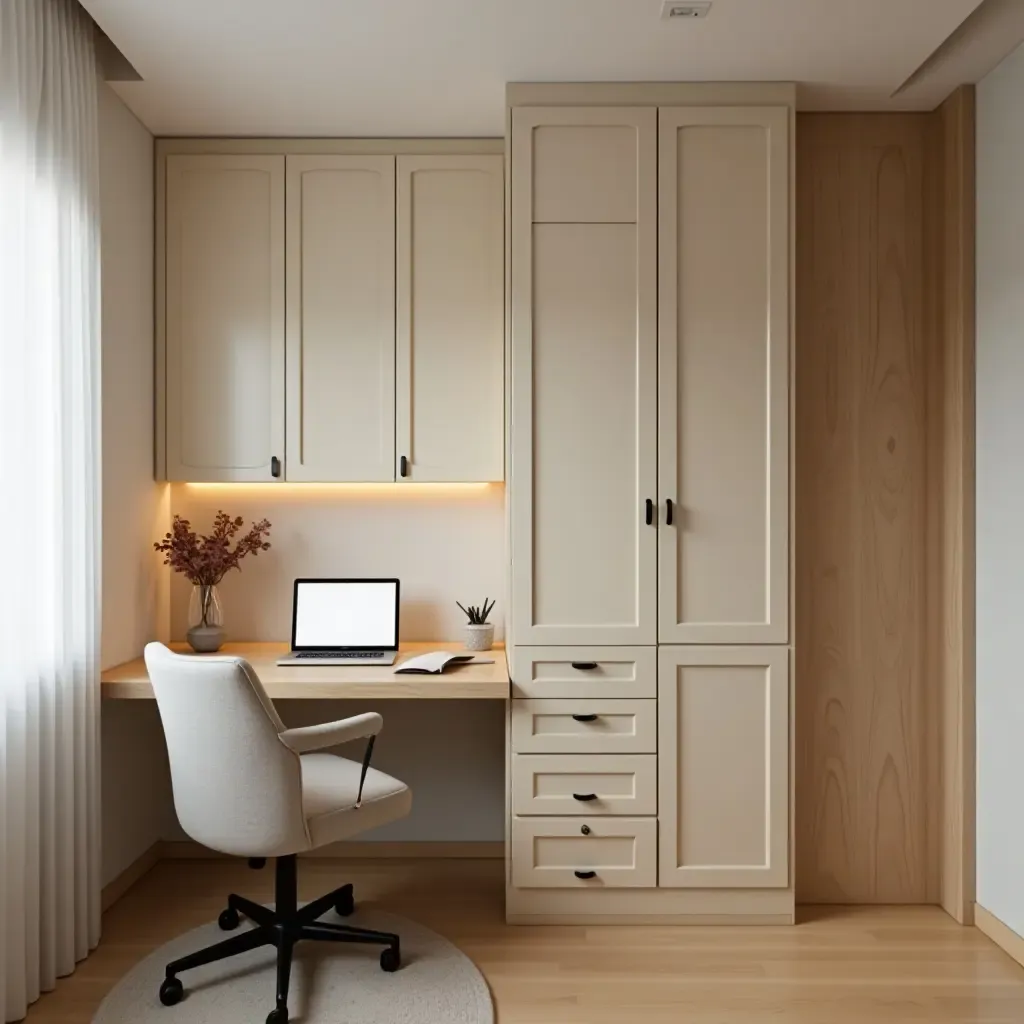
(49, 497)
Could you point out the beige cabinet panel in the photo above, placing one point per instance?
(585, 784)
(584, 726)
(593, 853)
(450, 326)
(723, 766)
(341, 318)
(584, 400)
(584, 671)
(723, 350)
(224, 317)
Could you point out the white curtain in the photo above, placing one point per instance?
(49, 497)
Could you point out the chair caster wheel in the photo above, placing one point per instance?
(346, 902)
(228, 920)
(256, 863)
(278, 1016)
(171, 991)
(390, 959)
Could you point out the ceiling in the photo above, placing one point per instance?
(439, 67)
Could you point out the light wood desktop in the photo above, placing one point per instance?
(310, 682)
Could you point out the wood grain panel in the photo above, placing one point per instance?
(951, 500)
(861, 454)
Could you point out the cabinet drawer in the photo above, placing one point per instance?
(584, 672)
(608, 852)
(585, 784)
(584, 726)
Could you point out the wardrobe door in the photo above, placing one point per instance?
(584, 391)
(223, 318)
(723, 767)
(341, 318)
(451, 319)
(723, 359)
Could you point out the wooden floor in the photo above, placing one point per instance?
(870, 965)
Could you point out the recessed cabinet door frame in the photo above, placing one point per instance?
(588, 239)
(223, 318)
(723, 459)
(449, 382)
(723, 767)
(341, 318)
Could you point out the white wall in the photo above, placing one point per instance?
(1000, 490)
(135, 509)
(445, 543)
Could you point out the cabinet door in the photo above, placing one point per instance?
(341, 318)
(723, 352)
(584, 391)
(450, 410)
(224, 317)
(723, 766)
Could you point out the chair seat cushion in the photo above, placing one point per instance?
(330, 785)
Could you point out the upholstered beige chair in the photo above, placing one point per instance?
(245, 785)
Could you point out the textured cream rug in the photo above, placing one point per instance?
(331, 983)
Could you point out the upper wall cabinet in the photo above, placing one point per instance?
(451, 284)
(341, 318)
(224, 317)
(385, 254)
(584, 367)
(723, 373)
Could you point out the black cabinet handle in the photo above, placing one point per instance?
(668, 511)
(403, 466)
(650, 511)
(275, 466)
(584, 666)
(584, 797)
(585, 874)
(584, 718)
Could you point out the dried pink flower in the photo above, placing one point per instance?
(206, 560)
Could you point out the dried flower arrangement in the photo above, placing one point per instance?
(207, 559)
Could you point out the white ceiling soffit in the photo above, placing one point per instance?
(993, 29)
(439, 67)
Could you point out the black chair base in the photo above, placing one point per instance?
(282, 927)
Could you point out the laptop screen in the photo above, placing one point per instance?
(335, 614)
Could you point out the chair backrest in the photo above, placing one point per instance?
(237, 787)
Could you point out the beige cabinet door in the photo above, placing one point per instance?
(723, 767)
(450, 410)
(223, 310)
(341, 318)
(584, 391)
(723, 364)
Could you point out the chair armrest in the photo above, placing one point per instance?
(329, 734)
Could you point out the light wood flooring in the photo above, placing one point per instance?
(867, 965)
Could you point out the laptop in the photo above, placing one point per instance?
(344, 622)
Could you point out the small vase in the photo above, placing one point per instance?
(480, 637)
(205, 620)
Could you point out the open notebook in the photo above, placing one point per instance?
(437, 661)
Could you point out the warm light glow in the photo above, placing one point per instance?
(382, 490)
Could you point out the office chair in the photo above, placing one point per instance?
(247, 786)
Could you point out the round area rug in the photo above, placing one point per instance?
(332, 983)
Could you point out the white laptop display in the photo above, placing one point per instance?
(344, 622)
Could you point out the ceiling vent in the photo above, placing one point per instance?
(673, 10)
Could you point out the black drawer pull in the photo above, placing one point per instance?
(668, 511)
(585, 874)
(584, 666)
(584, 718)
(649, 515)
(584, 797)
(275, 467)
(403, 466)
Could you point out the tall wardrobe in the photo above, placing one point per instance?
(649, 418)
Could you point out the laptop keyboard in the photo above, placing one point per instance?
(348, 655)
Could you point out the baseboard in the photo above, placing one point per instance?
(140, 866)
(187, 849)
(1001, 934)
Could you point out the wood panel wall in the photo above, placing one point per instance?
(884, 244)
(861, 496)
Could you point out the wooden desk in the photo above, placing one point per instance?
(310, 682)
